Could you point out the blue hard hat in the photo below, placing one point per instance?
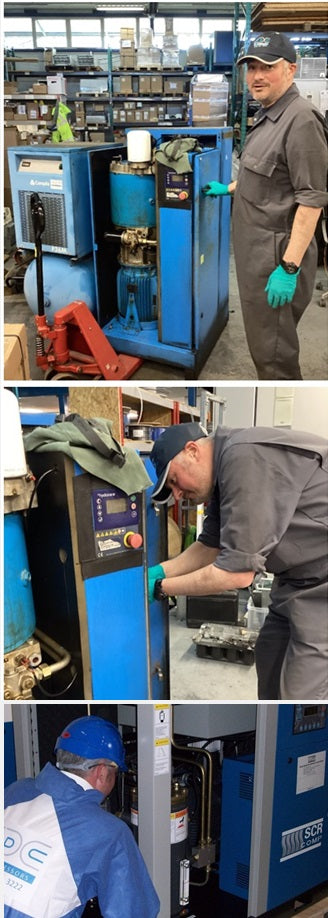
(93, 738)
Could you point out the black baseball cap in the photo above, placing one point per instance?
(168, 445)
(269, 47)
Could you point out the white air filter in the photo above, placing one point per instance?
(13, 454)
(139, 147)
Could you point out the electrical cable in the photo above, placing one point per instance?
(57, 694)
(37, 483)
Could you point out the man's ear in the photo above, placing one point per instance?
(192, 448)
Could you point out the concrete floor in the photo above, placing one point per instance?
(229, 358)
(193, 678)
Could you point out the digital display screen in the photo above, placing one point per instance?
(175, 179)
(310, 709)
(116, 505)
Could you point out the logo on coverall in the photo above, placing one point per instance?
(29, 854)
(301, 839)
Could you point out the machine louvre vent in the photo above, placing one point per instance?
(242, 875)
(55, 220)
(246, 786)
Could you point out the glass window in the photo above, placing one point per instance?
(159, 31)
(51, 33)
(214, 25)
(112, 28)
(18, 33)
(187, 31)
(86, 33)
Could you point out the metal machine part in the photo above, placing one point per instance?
(20, 670)
(219, 642)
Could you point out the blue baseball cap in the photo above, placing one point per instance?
(269, 48)
(168, 445)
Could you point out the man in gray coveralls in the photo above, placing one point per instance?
(267, 491)
(278, 197)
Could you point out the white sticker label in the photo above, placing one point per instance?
(179, 826)
(310, 771)
(162, 744)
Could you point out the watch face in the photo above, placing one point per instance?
(289, 267)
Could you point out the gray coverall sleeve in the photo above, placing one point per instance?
(307, 155)
(259, 492)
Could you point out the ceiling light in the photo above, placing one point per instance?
(122, 8)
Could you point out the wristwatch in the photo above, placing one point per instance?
(158, 592)
(289, 266)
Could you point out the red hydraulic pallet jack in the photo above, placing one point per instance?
(74, 345)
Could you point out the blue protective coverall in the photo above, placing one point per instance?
(62, 848)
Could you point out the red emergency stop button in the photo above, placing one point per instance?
(183, 195)
(133, 540)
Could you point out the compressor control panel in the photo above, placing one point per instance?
(174, 189)
(308, 717)
(116, 521)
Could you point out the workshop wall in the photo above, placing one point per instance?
(98, 402)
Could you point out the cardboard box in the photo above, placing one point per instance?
(127, 44)
(126, 85)
(97, 136)
(138, 114)
(40, 88)
(16, 362)
(156, 84)
(79, 107)
(45, 111)
(9, 87)
(8, 113)
(128, 60)
(144, 85)
(174, 86)
(153, 112)
(32, 111)
(20, 113)
(56, 85)
(126, 33)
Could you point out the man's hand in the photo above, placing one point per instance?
(214, 189)
(281, 287)
(154, 573)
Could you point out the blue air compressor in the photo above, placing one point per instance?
(274, 819)
(88, 547)
(161, 247)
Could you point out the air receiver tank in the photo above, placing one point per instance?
(63, 282)
(19, 614)
(133, 210)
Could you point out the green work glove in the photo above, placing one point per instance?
(214, 189)
(154, 573)
(281, 287)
